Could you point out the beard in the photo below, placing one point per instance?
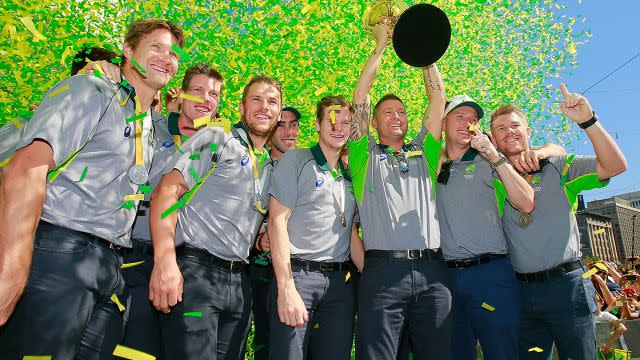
(255, 131)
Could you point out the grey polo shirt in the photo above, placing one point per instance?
(469, 208)
(219, 217)
(88, 120)
(397, 209)
(552, 238)
(9, 138)
(304, 183)
(163, 150)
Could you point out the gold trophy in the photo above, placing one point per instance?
(383, 12)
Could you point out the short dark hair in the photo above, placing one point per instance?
(91, 53)
(387, 97)
(262, 79)
(201, 68)
(327, 101)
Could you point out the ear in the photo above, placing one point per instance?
(241, 108)
(374, 123)
(127, 51)
(317, 125)
(180, 100)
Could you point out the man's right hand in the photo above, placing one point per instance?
(13, 280)
(382, 35)
(106, 68)
(166, 284)
(291, 308)
(171, 100)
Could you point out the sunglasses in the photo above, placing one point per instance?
(445, 171)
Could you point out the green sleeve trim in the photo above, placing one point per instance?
(501, 195)
(53, 174)
(579, 184)
(358, 163)
(432, 148)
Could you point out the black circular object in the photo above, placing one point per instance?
(421, 35)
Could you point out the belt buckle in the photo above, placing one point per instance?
(413, 254)
(115, 247)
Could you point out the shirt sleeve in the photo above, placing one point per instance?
(194, 161)
(68, 115)
(284, 180)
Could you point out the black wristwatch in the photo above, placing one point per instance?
(500, 161)
(589, 122)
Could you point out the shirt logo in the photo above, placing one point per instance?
(470, 169)
(167, 144)
(127, 131)
(535, 183)
(244, 161)
(319, 182)
(384, 157)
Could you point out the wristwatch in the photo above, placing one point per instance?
(589, 122)
(500, 161)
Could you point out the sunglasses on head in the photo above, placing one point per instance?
(445, 171)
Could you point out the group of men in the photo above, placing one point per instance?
(162, 235)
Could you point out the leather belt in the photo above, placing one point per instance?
(550, 273)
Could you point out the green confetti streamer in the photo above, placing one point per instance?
(128, 205)
(137, 65)
(84, 174)
(195, 175)
(213, 147)
(193, 314)
(194, 157)
(137, 117)
(173, 208)
(145, 189)
(180, 51)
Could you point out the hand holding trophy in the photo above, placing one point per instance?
(383, 14)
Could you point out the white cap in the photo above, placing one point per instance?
(463, 100)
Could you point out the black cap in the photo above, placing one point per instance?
(293, 110)
(421, 35)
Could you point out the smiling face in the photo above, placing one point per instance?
(390, 120)
(334, 137)
(456, 125)
(286, 133)
(203, 87)
(153, 53)
(260, 109)
(510, 134)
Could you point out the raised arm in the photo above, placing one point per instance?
(20, 209)
(576, 108)
(361, 95)
(165, 286)
(437, 100)
(291, 308)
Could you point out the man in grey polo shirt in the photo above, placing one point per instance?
(311, 226)
(85, 153)
(473, 185)
(404, 282)
(260, 270)
(219, 187)
(557, 302)
(200, 82)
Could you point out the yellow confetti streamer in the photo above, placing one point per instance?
(128, 265)
(618, 303)
(133, 197)
(332, 113)
(200, 122)
(5, 161)
(598, 232)
(225, 124)
(316, 326)
(536, 349)
(16, 122)
(414, 153)
(348, 276)
(39, 357)
(115, 299)
(472, 127)
(61, 90)
(37, 36)
(590, 273)
(192, 98)
(129, 353)
(319, 92)
(488, 307)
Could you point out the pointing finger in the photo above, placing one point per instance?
(565, 92)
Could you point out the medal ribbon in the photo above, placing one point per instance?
(257, 184)
(338, 199)
(138, 127)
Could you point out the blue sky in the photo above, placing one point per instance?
(616, 38)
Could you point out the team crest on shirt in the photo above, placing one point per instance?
(350, 188)
(319, 182)
(469, 171)
(244, 161)
(384, 157)
(535, 183)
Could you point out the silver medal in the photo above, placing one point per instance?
(138, 175)
(525, 220)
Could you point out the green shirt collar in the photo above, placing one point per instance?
(322, 162)
(470, 154)
(172, 123)
(389, 149)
